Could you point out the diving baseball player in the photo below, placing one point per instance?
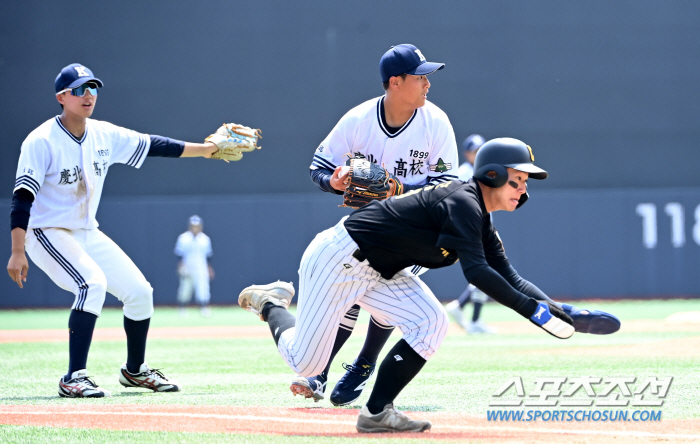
(414, 140)
(194, 249)
(363, 260)
(61, 172)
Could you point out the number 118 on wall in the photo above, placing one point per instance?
(676, 213)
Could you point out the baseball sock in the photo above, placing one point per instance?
(398, 368)
(465, 296)
(347, 325)
(278, 319)
(377, 335)
(477, 311)
(136, 335)
(81, 325)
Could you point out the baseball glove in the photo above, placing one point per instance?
(368, 181)
(233, 140)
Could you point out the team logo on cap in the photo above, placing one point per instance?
(420, 55)
(82, 71)
(441, 166)
(532, 156)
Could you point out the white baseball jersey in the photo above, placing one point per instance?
(194, 251)
(66, 174)
(423, 150)
(466, 171)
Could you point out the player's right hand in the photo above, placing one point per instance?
(17, 268)
(339, 179)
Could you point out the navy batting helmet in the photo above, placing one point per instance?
(499, 154)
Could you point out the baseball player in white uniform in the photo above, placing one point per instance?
(61, 172)
(363, 260)
(414, 140)
(194, 249)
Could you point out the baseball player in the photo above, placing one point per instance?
(61, 172)
(414, 140)
(194, 249)
(363, 260)
(470, 146)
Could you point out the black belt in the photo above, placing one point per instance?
(357, 254)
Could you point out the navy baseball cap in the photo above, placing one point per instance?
(473, 142)
(74, 75)
(405, 59)
(195, 220)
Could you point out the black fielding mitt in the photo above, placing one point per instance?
(368, 181)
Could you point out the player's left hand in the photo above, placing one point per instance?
(552, 319)
(17, 268)
(233, 140)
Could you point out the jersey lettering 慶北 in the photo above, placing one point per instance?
(66, 174)
(423, 150)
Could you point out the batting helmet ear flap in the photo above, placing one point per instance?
(481, 174)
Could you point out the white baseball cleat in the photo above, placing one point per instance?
(478, 327)
(389, 420)
(149, 378)
(80, 385)
(551, 324)
(253, 298)
(455, 311)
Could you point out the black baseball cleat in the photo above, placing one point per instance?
(595, 322)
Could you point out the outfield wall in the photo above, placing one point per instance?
(571, 243)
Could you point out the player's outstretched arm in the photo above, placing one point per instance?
(18, 265)
(205, 149)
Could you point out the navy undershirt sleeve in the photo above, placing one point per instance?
(322, 178)
(165, 147)
(19, 212)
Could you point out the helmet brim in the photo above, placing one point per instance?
(533, 171)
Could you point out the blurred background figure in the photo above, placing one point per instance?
(466, 170)
(194, 249)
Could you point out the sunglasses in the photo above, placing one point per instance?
(81, 90)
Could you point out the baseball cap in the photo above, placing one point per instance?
(473, 142)
(74, 75)
(405, 59)
(195, 220)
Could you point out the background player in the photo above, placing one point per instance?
(61, 172)
(194, 249)
(470, 146)
(414, 140)
(363, 260)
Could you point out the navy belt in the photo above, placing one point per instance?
(357, 254)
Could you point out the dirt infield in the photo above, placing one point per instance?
(338, 422)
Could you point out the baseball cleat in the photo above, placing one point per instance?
(594, 322)
(551, 324)
(455, 311)
(149, 378)
(80, 385)
(253, 298)
(389, 420)
(311, 387)
(350, 386)
(479, 327)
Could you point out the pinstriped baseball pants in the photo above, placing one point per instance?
(89, 264)
(331, 280)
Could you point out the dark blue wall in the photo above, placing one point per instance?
(606, 92)
(571, 243)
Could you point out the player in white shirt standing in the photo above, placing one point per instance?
(60, 175)
(413, 139)
(194, 249)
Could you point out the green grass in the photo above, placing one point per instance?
(249, 372)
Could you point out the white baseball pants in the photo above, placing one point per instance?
(89, 264)
(197, 283)
(331, 280)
